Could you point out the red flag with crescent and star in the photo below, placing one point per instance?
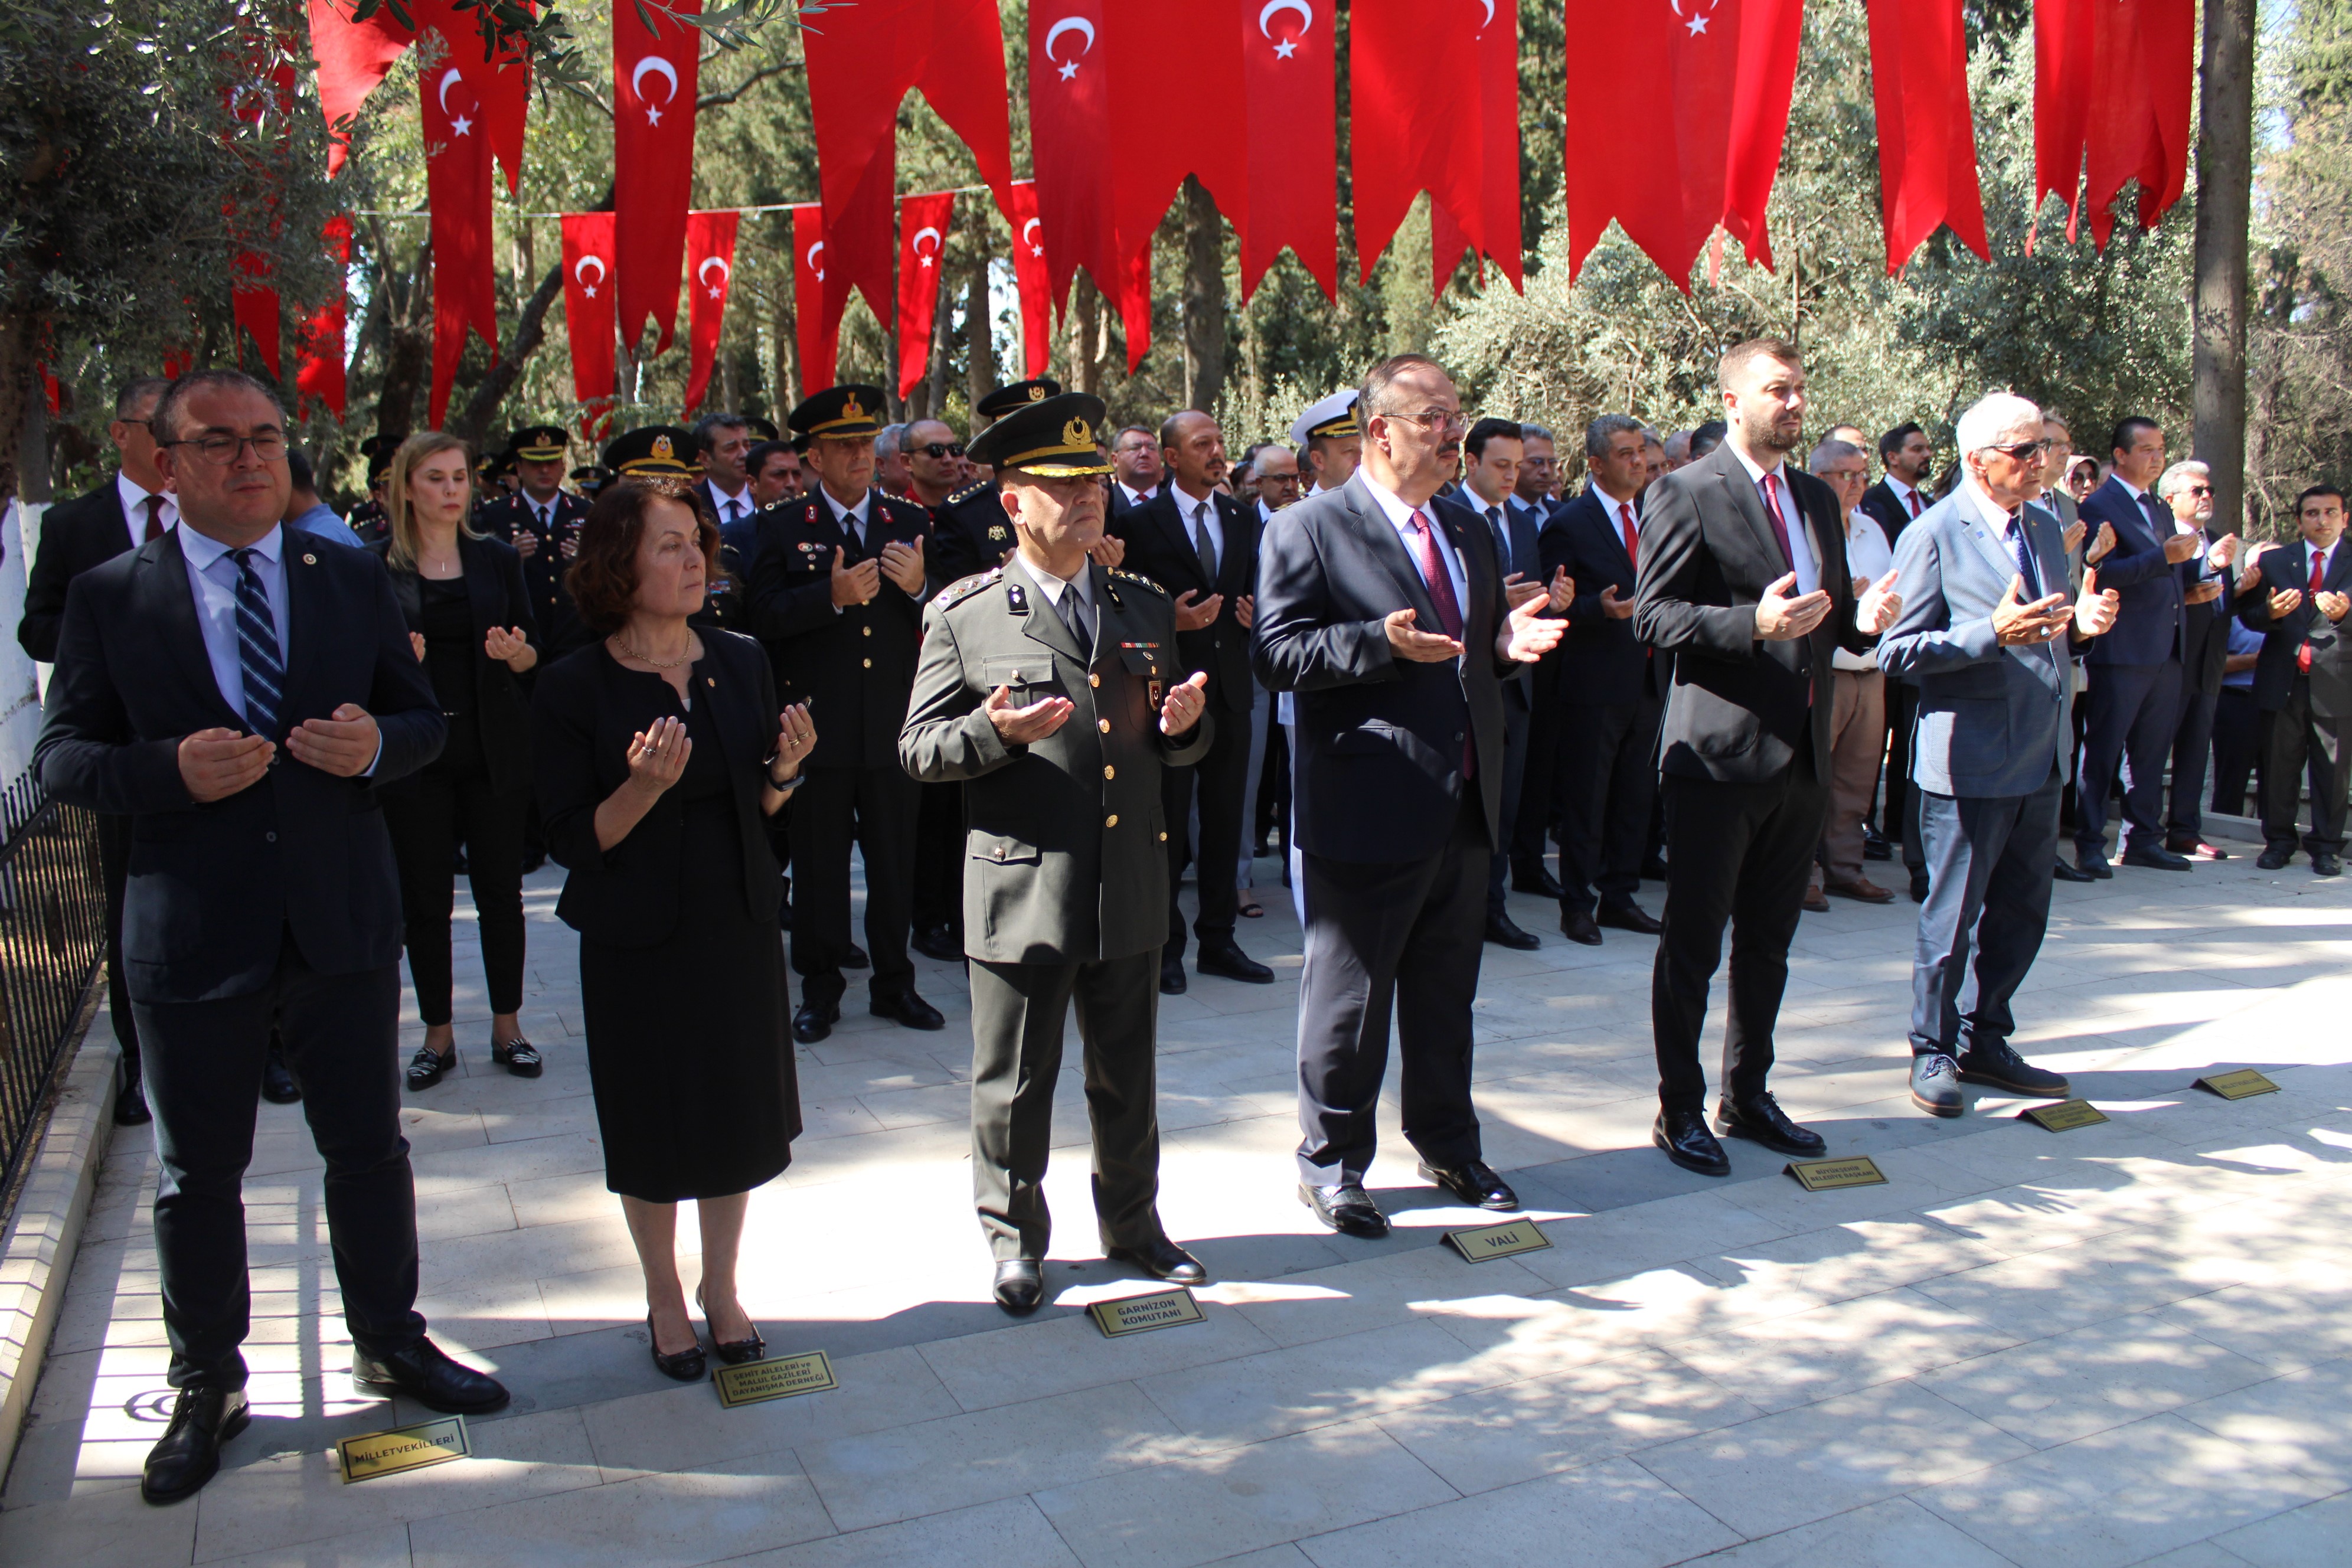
(1289, 72)
(1431, 86)
(459, 92)
(922, 240)
(1926, 134)
(590, 316)
(711, 268)
(2112, 90)
(1029, 277)
(816, 322)
(1070, 142)
(353, 58)
(318, 336)
(1201, 65)
(655, 80)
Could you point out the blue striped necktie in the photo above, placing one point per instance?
(258, 654)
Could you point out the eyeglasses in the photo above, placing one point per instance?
(936, 449)
(221, 450)
(1438, 419)
(2022, 450)
(2199, 490)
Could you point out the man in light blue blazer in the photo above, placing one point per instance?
(1988, 629)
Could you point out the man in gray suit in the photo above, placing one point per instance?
(1988, 629)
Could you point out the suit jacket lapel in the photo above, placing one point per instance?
(172, 600)
(1380, 538)
(306, 610)
(1733, 474)
(1166, 512)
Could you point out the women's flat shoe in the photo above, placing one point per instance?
(517, 1056)
(734, 1352)
(429, 1067)
(687, 1365)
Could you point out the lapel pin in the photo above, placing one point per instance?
(309, 560)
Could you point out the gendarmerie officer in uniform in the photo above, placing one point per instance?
(837, 594)
(969, 531)
(369, 520)
(1050, 686)
(541, 519)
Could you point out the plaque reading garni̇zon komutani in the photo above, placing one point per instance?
(1141, 1314)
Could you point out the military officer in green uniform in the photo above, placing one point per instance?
(1050, 686)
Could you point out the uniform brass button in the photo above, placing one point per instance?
(1094, 680)
(1111, 821)
(1104, 725)
(868, 663)
(867, 630)
(1163, 839)
(1110, 772)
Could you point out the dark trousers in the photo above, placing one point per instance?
(2134, 709)
(1742, 852)
(2301, 742)
(114, 868)
(1017, 1013)
(2193, 753)
(1901, 722)
(1608, 773)
(2239, 737)
(1988, 892)
(1217, 784)
(1384, 936)
(1539, 777)
(203, 1082)
(1516, 729)
(429, 815)
(873, 808)
(939, 857)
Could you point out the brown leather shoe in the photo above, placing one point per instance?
(1862, 890)
(1816, 902)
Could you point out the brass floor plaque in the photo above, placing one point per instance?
(754, 1381)
(2066, 1116)
(1821, 1176)
(374, 1454)
(1499, 1240)
(2238, 1085)
(1142, 1314)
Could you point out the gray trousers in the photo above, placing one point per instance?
(1988, 905)
(1017, 1013)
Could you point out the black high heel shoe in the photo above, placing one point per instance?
(734, 1352)
(429, 1067)
(687, 1365)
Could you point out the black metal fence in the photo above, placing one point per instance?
(52, 942)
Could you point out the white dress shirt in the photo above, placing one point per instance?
(1200, 515)
(1800, 538)
(1135, 497)
(1867, 554)
(720, 501)
(134, 508)
(1914, 504)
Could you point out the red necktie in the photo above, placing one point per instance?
(2318, 584)
(1914, 503)
(1440, 585)
(1632, 551)
(1779, 523)
(154, 516)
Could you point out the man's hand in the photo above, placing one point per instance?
(2095, 613)
(1020, 726)
(2180, 547)
(2224, 551)
(1861, 587)
(2015, 623)
(1246, 609)
(2333, 606)
(2202, 593)
(570, 547)
(1108, 550)
(2101, 546)
(526, 544)
(2284, 602)
(1530, 634)
(1192, 612)
(1561, 593)
(1186, 700)
(855, 585)
(1782, 619)
(1517, 590)
(344, 745)
(217, 763)
(1615, 608)
(1879, 606)
(903, 564)
(1419, 647)
(2073, 537)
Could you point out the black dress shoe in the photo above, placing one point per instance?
(2001, 1067)
(2326, 865)
(2061, 872)
(1502, 932)
(130, 1107)
(1653, 869)
(2094, 867)
(1162, 1259)
(815, 1021)
(2272, 859)
(1535, 880)
(1227, 959)
(1020, 1284)
(1474, 1182)
(188, 1454)
(1919, 887)
(425, 1375)
(734, 1352)
(1578, 925)
(854, 957)
(687, 1365)
(1874, 846)
(1684, 1136)
(1346, 1208)
(429, 1067)
(938, 942)
(1761, 1120)
(278, 1082)
(2153, 859)
(907, 1010)
(1172, 974)
(517, 1056)
(1630, 916)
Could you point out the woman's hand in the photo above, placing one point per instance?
(416, 641)
(657, 756)
(796, 739)
(510, 647)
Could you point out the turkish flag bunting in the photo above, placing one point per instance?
(252, 305)
(1134, 298)
(591, 315)
(922, 239)
(1029, 275)
(711, 263)
(1209, 131)
(259, 100)
(2112, 85)
(456, 94)
(654, 80)
(1289, 72)
(319, 338)
(353, 57)
(1070, 142)
(1694, 92)
(1497, 47)
(1927, 136)
(1409, 66)
(860, 65)
(816, 320)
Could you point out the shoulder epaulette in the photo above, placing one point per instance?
(1126, 576)
(963, 588)
(965, 494)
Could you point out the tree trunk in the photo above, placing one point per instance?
(1204, 299)
(979, 348)
(19, 400)
(1085, 333)
(2225, 171)
(531, 331)
(788, 348)
(407, 345)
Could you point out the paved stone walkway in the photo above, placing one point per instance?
(2127, 1343)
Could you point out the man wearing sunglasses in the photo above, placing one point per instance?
(2206, 604)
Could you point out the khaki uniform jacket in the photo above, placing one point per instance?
(1067, 846)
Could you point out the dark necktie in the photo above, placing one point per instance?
(1203, 545)
(1074, 616)
(857, 550)
(1502, 538)
(1440, 584)
(1779, 523)
(260, 659)
(155, 505)
(2023, 546)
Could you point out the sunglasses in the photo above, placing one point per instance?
(2023, 449)
(936, 449)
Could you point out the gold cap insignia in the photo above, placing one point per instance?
(1036, 394)
(1075, 434)
(849, 408)
(663, 449)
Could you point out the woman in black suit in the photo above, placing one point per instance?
(470, 620)
(660, 756)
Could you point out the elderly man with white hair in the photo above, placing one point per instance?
(2206, 601)
(1988, 626)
